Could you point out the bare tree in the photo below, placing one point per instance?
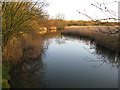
(17, 17)
(109, 15)
(59, 21)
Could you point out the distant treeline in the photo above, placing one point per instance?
(90, 23)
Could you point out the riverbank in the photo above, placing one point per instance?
(29, 74)
(106, 36)
(23, 52)
(64, 56)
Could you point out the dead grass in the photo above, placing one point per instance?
(24, 48)
(105, 39)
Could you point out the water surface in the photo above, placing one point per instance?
(70, 62)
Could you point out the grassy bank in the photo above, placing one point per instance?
(21, 42)
(19, 51)
(5, 76)
(104, 36)
(23, 51)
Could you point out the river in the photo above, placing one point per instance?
(69, 62)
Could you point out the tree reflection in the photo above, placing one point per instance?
(60, 40)
(103, 55)
(28, 75)
(31, 74)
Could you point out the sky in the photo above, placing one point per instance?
(68, 8)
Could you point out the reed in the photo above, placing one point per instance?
(21, 49)
(102, 35)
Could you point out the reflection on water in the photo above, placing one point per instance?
(69, 62)
(102, 54)
(106, 55)
(28, 75)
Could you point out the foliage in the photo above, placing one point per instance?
(5, 76)
(20, 40)
(89, 23)
(60, 22)
(109, 35)
(17, 18)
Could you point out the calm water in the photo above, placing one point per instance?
(69, 62)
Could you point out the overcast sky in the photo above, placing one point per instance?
(68, 8)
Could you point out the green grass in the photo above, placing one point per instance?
(5, 76)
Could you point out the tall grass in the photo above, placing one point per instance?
(22, 49)
(19, 35)
(104, 38)
(20, 41)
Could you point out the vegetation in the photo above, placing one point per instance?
(21, 42)
(5, 76)
(17, 18)
(109, 36)
(60, 22)
(90, 23)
